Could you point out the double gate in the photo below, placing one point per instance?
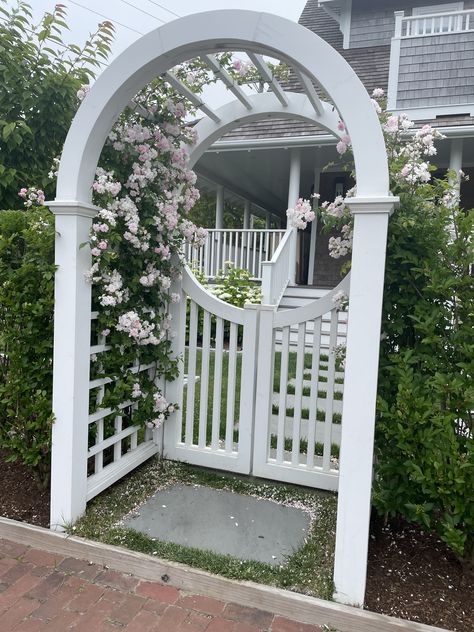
(260, 390)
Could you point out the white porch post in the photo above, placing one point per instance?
(293, 195)
(246, 215)
(294, 179)
(268, 220)
(72, 326)
(371, 217)
(314, 225)
(394, 68)
(455, 160)
(220, 206)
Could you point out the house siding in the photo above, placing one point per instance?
(436, 70)
(373, 21)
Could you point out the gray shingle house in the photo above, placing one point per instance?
(421, 52)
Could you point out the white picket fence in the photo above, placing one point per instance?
(228, 418)
(243, 247)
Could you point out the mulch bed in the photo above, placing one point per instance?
(411, 574)
(20, 497)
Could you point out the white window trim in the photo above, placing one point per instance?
(425, 113)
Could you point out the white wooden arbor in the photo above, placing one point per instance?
(315, 62)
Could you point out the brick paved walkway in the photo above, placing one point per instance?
(40, 592)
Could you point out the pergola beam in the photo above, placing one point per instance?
(222, 74)
(190, 96)
(310, 91)
(268, 77)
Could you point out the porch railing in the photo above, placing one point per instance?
(435, 24)
(245, 248)
(277, 272)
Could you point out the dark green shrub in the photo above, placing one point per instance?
(26, 336)
(424, 444)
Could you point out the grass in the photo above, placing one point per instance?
(308, 570)
(320, 414)
(318, 447)
(210, 395)
(291, 390)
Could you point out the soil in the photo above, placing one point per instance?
(411, 574)
(20, 497)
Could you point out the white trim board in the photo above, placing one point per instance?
(430, 113)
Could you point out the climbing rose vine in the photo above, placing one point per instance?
(409, 162)
(136, 242)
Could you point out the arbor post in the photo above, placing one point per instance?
(371, 217)
(72, 331)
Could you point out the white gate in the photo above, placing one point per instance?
(217, 344)
(249, 400)
(299, 392)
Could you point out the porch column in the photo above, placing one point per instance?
(455, 160)
(268, 220)
(314, 225)
(293, 195)
(294, 179)
(371, 217)
(246, 215)
(72, 326)
(220, 206)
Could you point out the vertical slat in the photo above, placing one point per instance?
(201, 258)
(260, 259)
(285, 346)
(330, 392)
(193, 322)
(206, 343)
(118, 445)
(254, 253)
(295, 452)
(231, 375)
(217, 395)
(134, 440)
(248, 245)
(211, 257)
(313, 404)
(242, 251)
(99, 457)
(225, 256)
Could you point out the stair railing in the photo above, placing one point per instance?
(279, 271)
(244, 248)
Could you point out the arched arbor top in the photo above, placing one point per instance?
(202, 35)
